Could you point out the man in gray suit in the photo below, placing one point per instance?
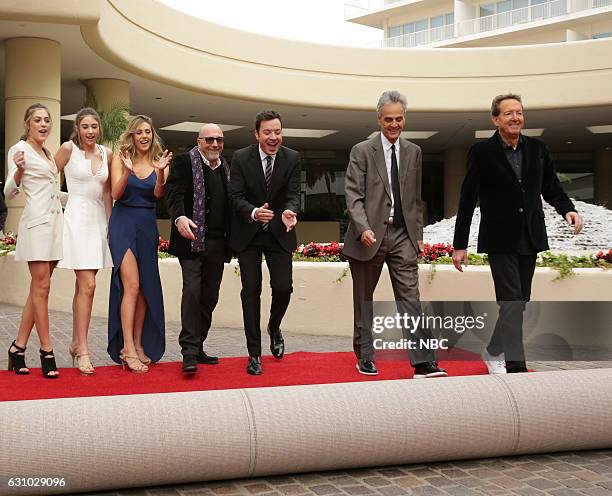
(383, 197)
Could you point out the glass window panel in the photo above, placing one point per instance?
(487, 9)
(395, 31)
(421, 25)
(437, 21)
(504, 6)
(450, 18)
(602, 35)
(409, 28)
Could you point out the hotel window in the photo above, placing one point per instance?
(422, 31)
(602, 35)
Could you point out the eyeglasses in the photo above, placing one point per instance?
(211, 139)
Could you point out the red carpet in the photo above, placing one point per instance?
(294, 369)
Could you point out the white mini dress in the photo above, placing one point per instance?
(85, 242)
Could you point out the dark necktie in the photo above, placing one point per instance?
(268, 172)
(268, 176)
(398, 216)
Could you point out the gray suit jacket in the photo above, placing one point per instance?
(368, 194)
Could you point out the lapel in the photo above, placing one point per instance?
(40, 162)
(500, 157)
(256, 164)
(226, 170)
(379, 160)
(529, 156)
(278, 171)
(404, 164)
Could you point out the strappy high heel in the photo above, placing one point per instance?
(16, 360)
(47, 363)
(142, 356)
(133, 364)
(83, 362)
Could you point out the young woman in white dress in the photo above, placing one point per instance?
(32, 171)
(86, 166)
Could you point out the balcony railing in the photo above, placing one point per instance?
(425, 37)
(502, 20)
(511, 18)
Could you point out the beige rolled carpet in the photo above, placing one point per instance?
(146, 440)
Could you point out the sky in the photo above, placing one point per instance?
(319, 21)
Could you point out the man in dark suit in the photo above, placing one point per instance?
(198, 201)
(383, 198)
(509, 173)
(265, 193)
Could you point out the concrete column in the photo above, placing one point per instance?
(464, 11)
(602, 177)
(573, 35)
(108, 92)
(32, 75)
(454, 170)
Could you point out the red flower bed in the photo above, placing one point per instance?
(606, 257)
(163, 245)
(431, 253)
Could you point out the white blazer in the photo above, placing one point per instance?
(39, 235)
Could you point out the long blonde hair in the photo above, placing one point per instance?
(126, 141)
(28, 117)
(81, 114)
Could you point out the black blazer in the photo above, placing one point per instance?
(504, 202)
(179, 199)
(248, 191)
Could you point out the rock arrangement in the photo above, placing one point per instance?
(596, 233)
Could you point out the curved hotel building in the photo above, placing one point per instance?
(450, 57)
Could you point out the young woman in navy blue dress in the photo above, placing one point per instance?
(136, 330)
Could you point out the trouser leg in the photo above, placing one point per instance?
(191, 316)
(212, 274)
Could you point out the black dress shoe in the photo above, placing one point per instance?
(190, 364)
(254, 366)
(427, 370)
(277, 343)
(205, 359)
(366, 367)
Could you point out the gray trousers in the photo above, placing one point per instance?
(398, 252)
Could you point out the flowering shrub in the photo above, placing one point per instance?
(323, 252)
(163, 245)
(8, 239)
(7, 243)
(605, 257)
(432, 253)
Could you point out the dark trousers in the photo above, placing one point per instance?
(202, 274)
(512, 276)
(397, 251)
(280, 267)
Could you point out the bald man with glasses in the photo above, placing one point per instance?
(198, 201)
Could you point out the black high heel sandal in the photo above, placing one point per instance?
(16, 359)
(47, 363)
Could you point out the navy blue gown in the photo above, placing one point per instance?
(132, 226)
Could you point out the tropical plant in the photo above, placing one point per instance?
(114, 120)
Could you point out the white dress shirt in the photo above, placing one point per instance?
(387, 150)
(264, 164)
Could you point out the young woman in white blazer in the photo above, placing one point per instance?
(32, 172)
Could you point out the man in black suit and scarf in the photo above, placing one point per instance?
(198, 201)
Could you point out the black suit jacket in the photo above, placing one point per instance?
(179, 199)
(504, 202)
(248, 191)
